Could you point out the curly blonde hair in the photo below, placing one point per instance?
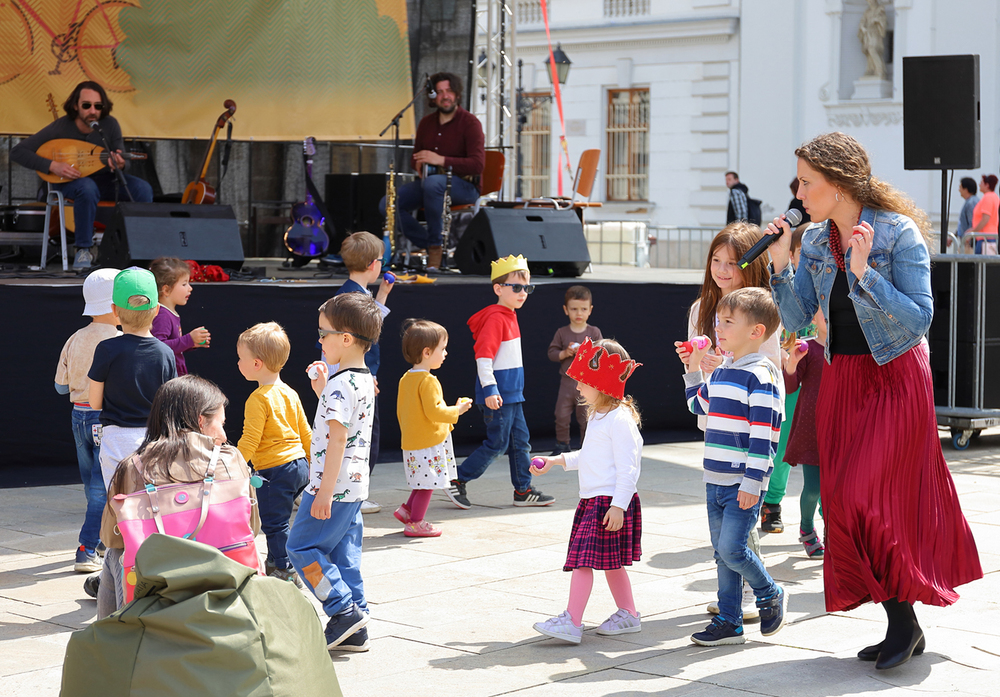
(844, 162)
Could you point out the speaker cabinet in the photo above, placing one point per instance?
(551, 240)
(941, 112)
(141, 232)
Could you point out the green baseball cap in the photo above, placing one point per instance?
(135, 281)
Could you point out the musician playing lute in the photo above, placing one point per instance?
(88, 103)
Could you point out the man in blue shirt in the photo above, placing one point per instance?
(968, 190)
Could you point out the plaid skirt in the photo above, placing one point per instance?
(591, 546)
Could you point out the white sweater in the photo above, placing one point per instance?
(609, 461)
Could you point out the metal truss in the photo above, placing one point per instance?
(496, 90)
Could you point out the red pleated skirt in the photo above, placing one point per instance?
(894, 526)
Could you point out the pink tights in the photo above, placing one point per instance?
(582, 583)
(418, 502)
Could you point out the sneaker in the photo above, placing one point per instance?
(421, 529)
(87, 561)
(772, 612)
(532, 497)
(84, 259)
(100, 549)
(622, 622)
(561, 627)
(770, 518)
(357, 642)
(750, 611)
(344, 624)
(560, 449)
(370, 507)
(284, 574)
(456, 492)
(91, 585)
(814, 548)
(718, 633)
(402, 514)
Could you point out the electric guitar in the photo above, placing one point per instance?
(306, 236)
(200, 191)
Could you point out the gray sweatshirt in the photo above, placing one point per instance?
(24, 152)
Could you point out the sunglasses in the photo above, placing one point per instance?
(97, 105)
(323, 333)
(518, 287)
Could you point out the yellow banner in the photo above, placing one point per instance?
(333, 69)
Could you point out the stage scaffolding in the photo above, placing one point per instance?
(496, 81)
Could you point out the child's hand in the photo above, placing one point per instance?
(494, 401)
(544, 466)
(317, 372)
(384, 289)
(201, 337)
(682, 352)
(321, 510)
(712, 361)
(614, 519)
(463, 404)
(746, 500)
(375, 380)
(790, 361)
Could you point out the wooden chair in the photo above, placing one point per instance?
(583, 186)
(490, 181)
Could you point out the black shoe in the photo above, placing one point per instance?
(870, 653)
(560, 449)
(344, 624)
(719, 633)
(772, 612)
(357, 642)
(891, 659)
(456, 492)
(770, 518)
(92, 584)
(532, 497)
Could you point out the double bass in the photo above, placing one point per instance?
(200, 191)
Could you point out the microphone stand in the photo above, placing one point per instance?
(119, 174)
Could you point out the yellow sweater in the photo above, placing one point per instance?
(424, 418)
(275, 428)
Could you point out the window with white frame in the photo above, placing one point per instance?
(536, 139)
(628, 145)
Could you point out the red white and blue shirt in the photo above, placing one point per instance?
(499, 368)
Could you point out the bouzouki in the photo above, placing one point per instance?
(200, 191)
(306, 236)
(85, 157)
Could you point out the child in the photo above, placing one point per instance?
(742, 400)
(607, 527)
(499, 387)
(803, 371)
(128, 369)
(425, 424)
(173, 279)
(577, 306)
(71, 378)
(362, 254)
(325, 540)
(186, 422)
(276, 437)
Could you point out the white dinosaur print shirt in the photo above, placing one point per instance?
(349, 397)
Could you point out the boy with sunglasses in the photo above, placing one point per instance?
(500, 387)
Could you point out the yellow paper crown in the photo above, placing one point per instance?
(508, 264)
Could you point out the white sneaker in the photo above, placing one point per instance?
(561, 627)
(622, 622)
(370, 507)
(750, 611)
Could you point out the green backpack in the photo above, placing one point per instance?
(201, 624)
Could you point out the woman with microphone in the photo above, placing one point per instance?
(895, 533)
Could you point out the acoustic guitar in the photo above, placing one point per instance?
(306, 236)
(200, 191)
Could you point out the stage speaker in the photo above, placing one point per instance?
(941, 112)
(551, 240)
(141, 232)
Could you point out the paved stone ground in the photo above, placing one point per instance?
(453, 615)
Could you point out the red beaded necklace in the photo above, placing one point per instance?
(835, 248)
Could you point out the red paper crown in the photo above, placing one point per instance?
(605, 372)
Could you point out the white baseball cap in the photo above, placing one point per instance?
(97, 290)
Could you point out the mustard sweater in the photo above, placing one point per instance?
(275, 428)
(424, 418)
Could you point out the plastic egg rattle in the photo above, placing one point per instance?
(802, 345)
(538, 463)
(313, 371)
(389, 278)
(698, 342)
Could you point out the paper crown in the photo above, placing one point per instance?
(508, 264)
(605, 372)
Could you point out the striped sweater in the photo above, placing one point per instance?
(743, 402)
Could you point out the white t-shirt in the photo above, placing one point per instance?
(610, 459)
(349, 397)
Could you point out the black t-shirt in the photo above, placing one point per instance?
(845, 329)
(132, 369)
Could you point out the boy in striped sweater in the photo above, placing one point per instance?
(500, 387)
(743, 402)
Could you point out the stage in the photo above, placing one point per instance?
(644, 309)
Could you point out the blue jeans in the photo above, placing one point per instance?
(506, 432)
(327, 554)
(729, 526)
(88, 456)
(275, 499)
(428, 195)
(87, 191)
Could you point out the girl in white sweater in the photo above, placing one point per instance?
(607, 527)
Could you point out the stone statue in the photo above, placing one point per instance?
(871, 33)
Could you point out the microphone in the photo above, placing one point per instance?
(793, 216)
(95, 126)
(431, 92)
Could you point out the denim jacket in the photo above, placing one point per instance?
(893, 297)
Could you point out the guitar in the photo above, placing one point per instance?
(200, 191)
(306, 236)
(86, 157)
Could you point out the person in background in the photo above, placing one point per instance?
(173, 278)
(967, 190)
(986, 216)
